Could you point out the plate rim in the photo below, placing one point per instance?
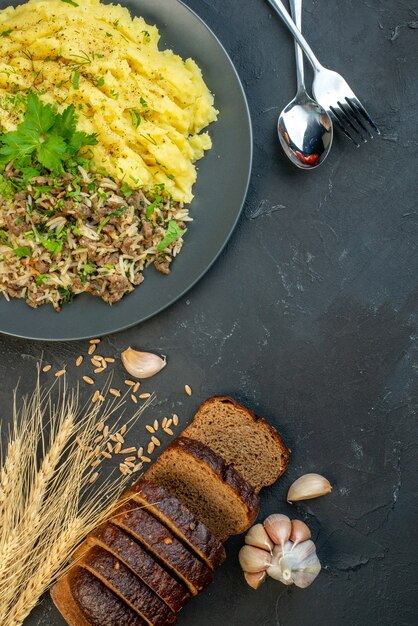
(198, 278)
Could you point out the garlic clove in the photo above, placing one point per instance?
(255, 580)
(307, 487)
(142, 364)
(300, 532)
(258, 538)
(278, 528)
(253, 560)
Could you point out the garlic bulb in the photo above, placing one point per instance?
(300, 531)
(293, 559)
(278, 528)
(307, 487)
(253, 560)
(255, 580)
(142, 364)
(258, 538)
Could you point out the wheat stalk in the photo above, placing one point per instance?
(47, 504)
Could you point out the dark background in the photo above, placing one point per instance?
(309, 317)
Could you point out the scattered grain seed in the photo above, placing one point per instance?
(99, 370)
(168, 431)
(175, 420)
(128, 450)
(59, 373)
(134, 399)
(149, 428)
(144, 396)
(94, 341)
(123, 429)
(109, 359)
(94, 477)
(155, 424)
(130, 459)
(188, 390)
(115, 392)
(104, 364)
(101, 398)
(156, 441)
(95, 361)
(113, 438)
(109, 446)
(92, 348)
(150, 448)
(106, 455)
(99, 438)
(46, 368)
(136, 387)
(117, 565)
(106, 432)
(169, 422)
(96, 396)
(95, 463)
(124, 468)
(96, 451)
(117, 448)
(88, 380)
(120, 438)
(140, 452)
(130, 383)
(79, 361)
(138, 467)
(100, 427)
(129, 464)
(145, 459)
(164, 423)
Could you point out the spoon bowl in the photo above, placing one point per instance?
(305, 132)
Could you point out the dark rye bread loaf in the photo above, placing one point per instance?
(240, 437)
(83, 600)
(128, 587)
(179, 520)
(213, 491)
(142, 564)
(164, 546)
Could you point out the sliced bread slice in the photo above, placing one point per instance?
(133, 555)
(128, 587)
(179, 520)
(162, 544)
(83, 600)
(214, 492)
(240, 437)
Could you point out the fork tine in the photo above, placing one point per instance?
(339, 123)
(356, 102)
(354, 111)
(351, 110)
(348, 117)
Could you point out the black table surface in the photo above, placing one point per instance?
(308, 317)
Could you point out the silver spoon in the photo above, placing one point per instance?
(304, 127)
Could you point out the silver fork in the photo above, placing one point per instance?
(331, 90)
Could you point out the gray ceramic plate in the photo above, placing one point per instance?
(219, 195)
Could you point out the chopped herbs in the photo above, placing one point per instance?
(41, 279)
(6, 33)
(23, 251)
(73, 4)
(173, 232)
(135, 117)
(76, 80)
(151, 207)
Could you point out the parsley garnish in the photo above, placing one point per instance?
(22, 251)
(135, 117)
(45, 137)
(76, 80)
(41, 279)
(6, 33)
(73, 4)
(66, 294)
(151, 207)
(173, 232)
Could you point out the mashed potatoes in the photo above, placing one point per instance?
(147, 106)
